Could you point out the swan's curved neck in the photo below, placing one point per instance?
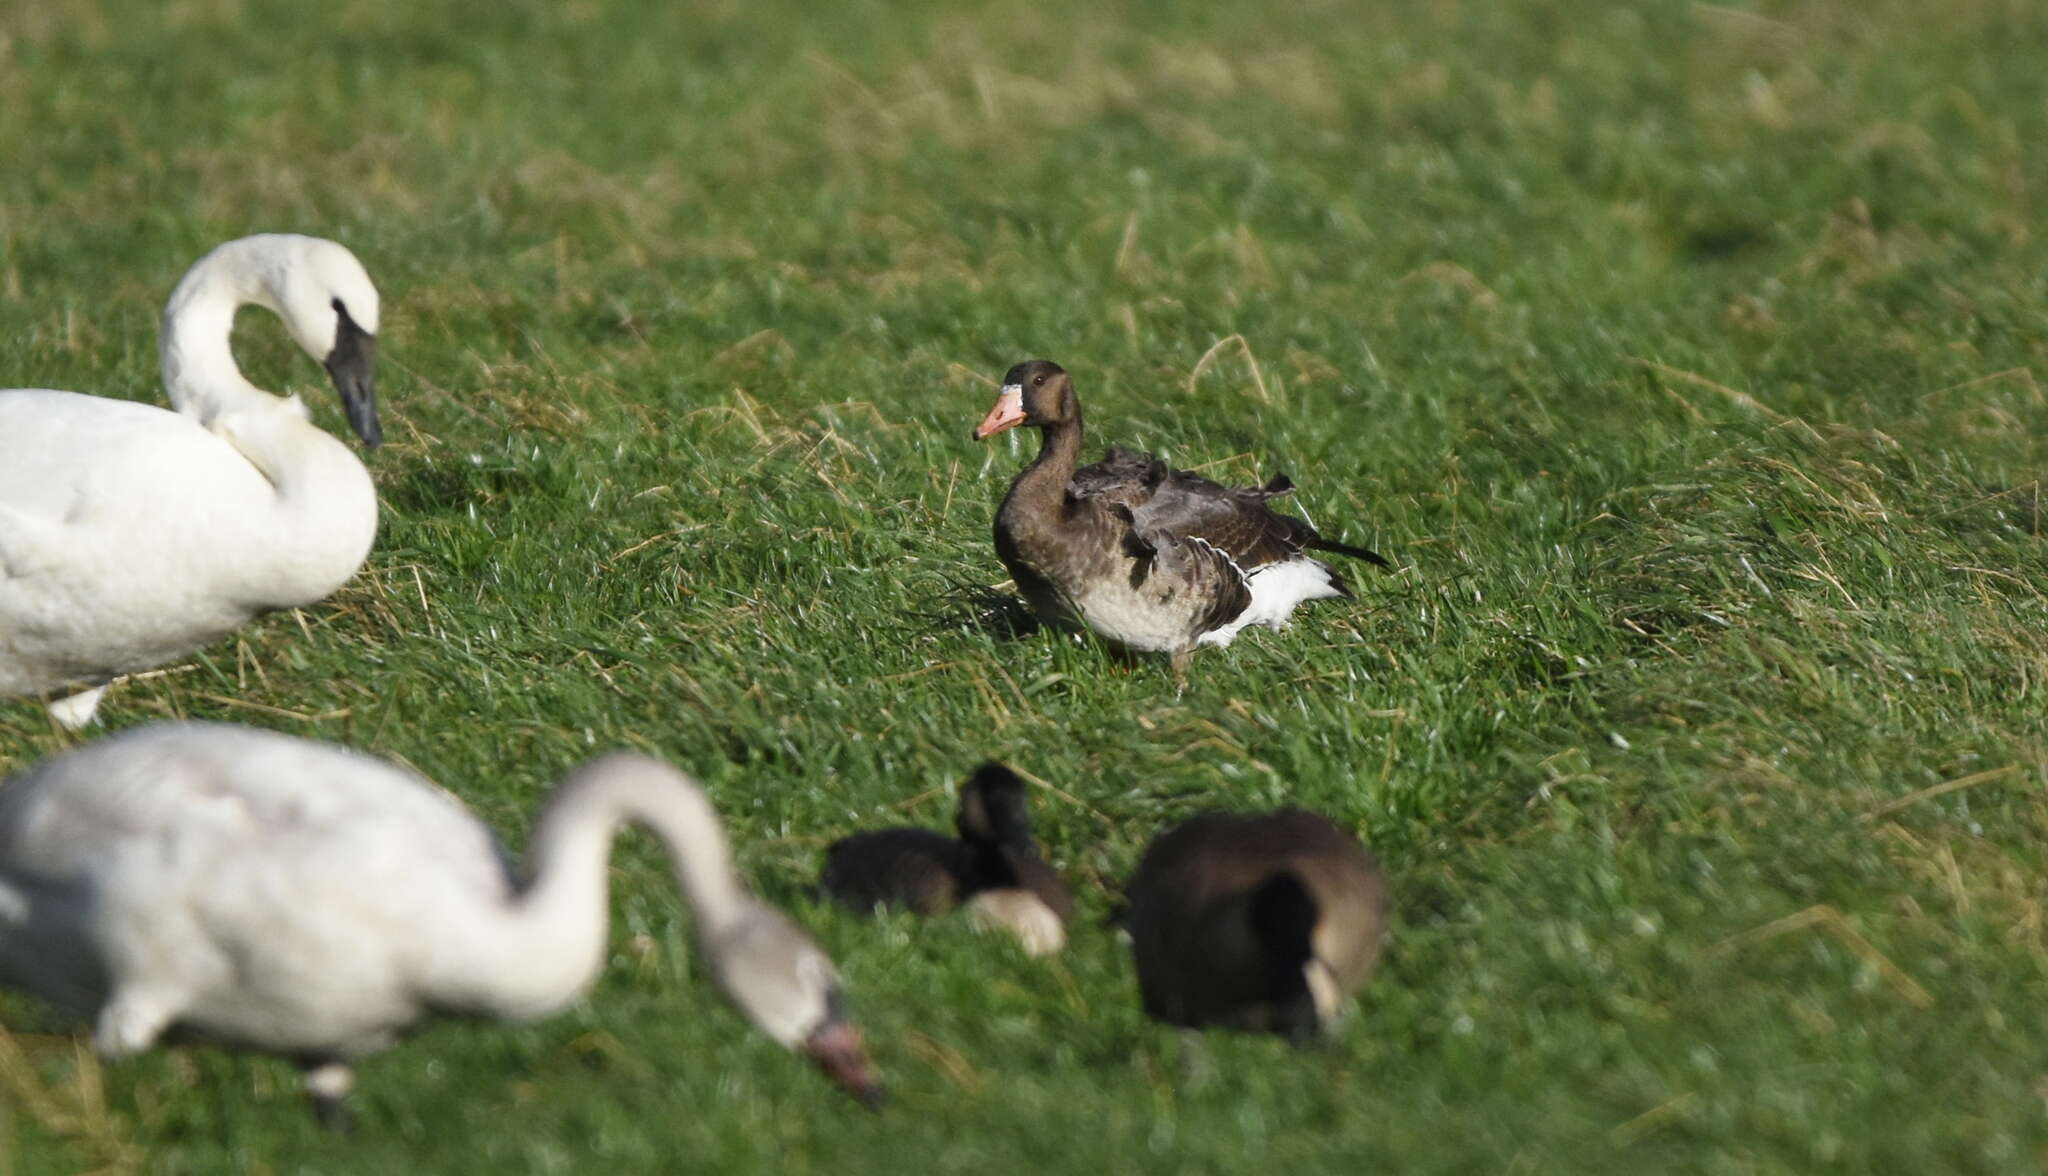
(200, 373)
(553, 943)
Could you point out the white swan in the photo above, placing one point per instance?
(131, 535)
(273, 893)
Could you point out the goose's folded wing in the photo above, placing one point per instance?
(1238, 520)
(1234, 519)
(1124, 477)
(1208, 574)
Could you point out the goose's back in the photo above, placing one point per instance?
(1197, 959)
(916, 869)
(1236, 520)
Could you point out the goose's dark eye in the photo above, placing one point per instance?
(1038, 379)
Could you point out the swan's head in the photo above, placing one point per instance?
(787, 987)
(330, 306)
(1037, 393)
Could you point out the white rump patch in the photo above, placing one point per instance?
(1323, 990)
(1022, 914)
(1276, 589)
(76, 711)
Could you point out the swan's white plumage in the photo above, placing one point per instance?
(300, 898)
(263, 890)
(131, 535)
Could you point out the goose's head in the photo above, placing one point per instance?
(1037, 393)
(787, 987)
(992, 807)
(1300, 991)
(330, 306)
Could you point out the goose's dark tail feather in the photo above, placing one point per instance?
(1371, 557)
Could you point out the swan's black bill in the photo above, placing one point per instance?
(353, 367)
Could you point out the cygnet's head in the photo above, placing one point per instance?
(787, 987)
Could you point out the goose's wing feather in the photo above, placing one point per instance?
(1177, 565)
(1122, 476)
(1234, 519)
(916, 869)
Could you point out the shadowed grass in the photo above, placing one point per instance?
(1684, 358)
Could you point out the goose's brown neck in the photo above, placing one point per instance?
(1043, 484)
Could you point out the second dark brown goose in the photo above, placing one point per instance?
(992, 868)
(1260, 921)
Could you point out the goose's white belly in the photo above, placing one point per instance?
(130, 535)
(1148, 621)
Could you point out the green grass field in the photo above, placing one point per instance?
(1687, 359)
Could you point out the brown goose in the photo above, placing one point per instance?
(1259, 921)
(1148, 557)
(993, 868)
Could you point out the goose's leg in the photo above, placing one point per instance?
(76, 711)
(1179, 664)
(327, 1087)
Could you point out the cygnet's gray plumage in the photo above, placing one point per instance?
(255, 890)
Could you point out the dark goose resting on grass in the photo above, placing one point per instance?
(250, 889)
(993, 868)
(1259, 921)
(1150, 558)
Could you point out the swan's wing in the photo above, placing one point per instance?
(30, 545)
(203, 795)
(52, 443)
